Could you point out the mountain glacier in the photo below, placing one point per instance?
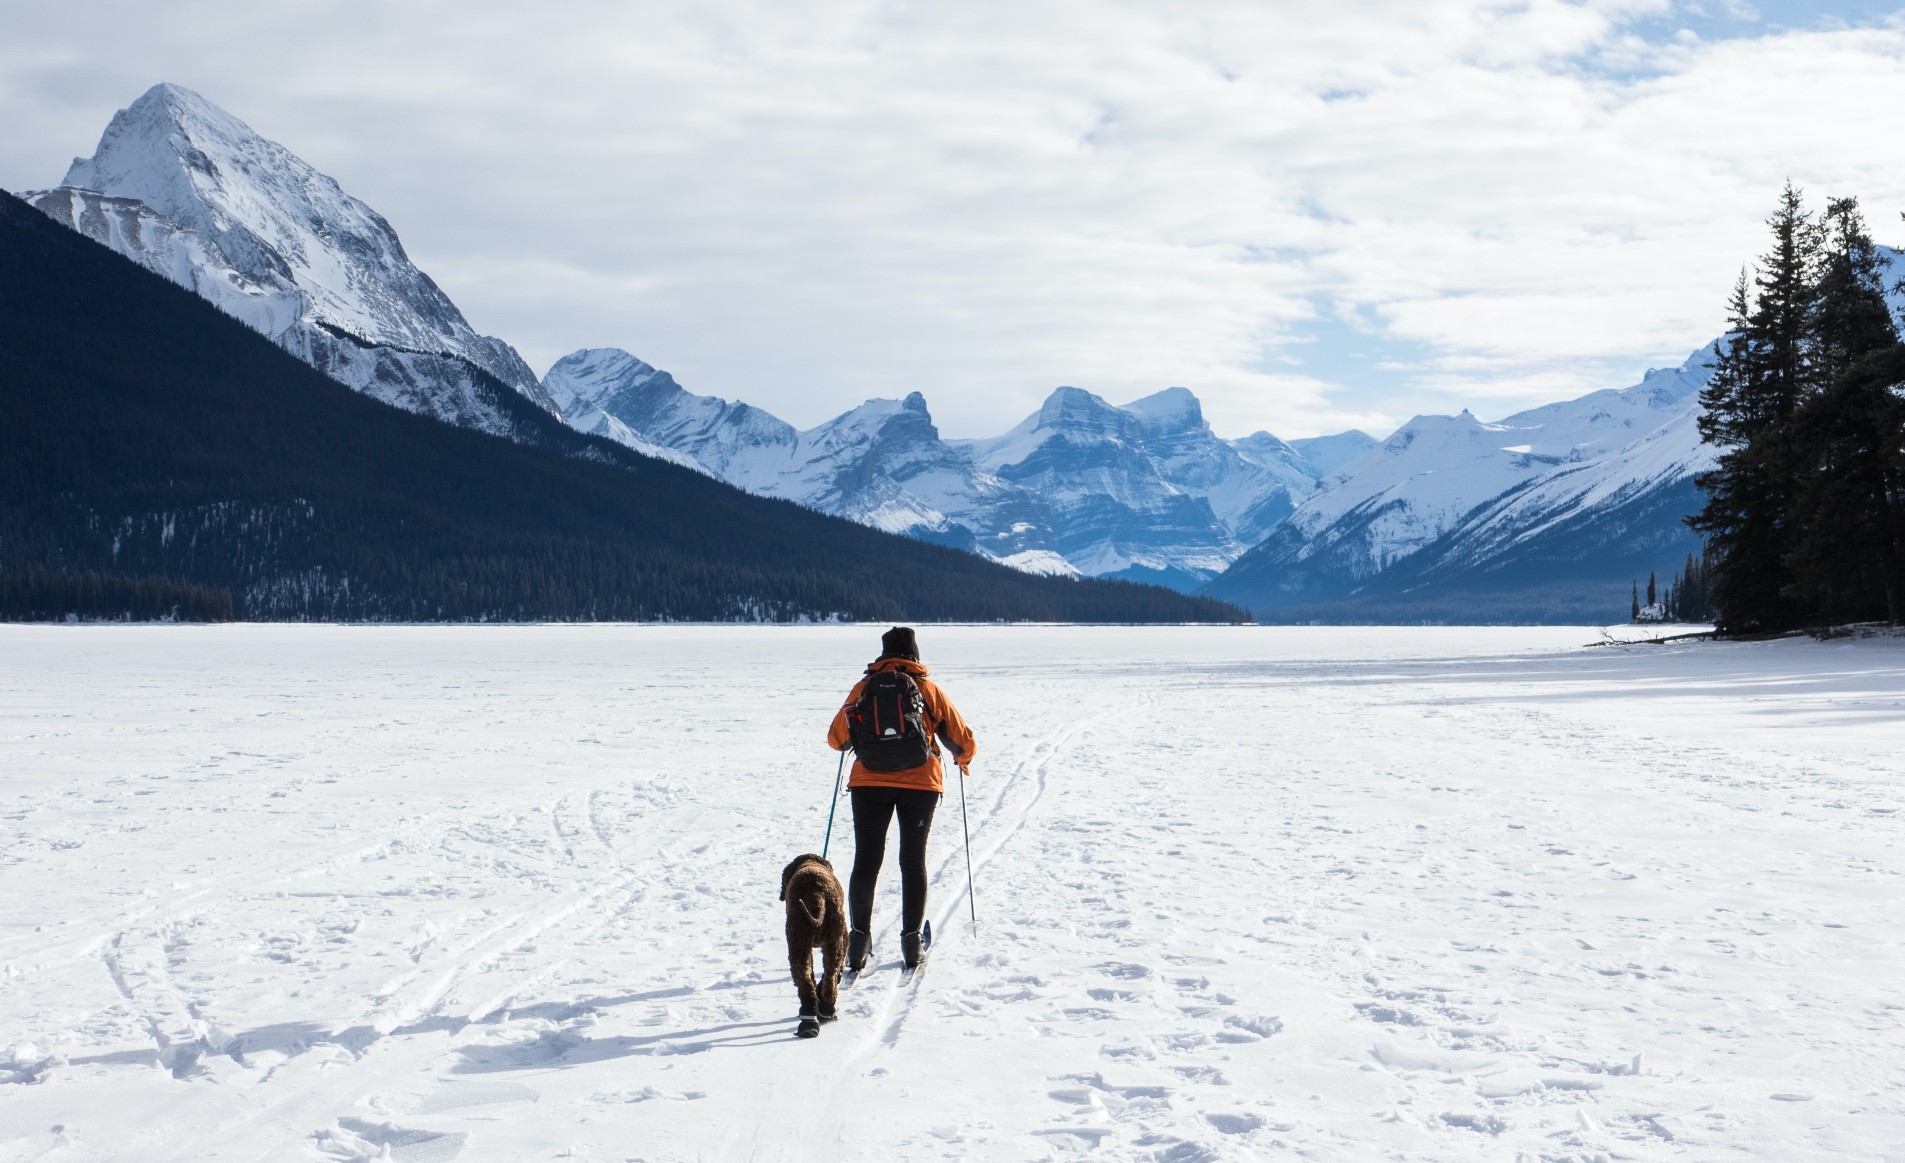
(188, 191)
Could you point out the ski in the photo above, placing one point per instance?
(907, 974)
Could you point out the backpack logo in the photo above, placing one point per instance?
(887, 724)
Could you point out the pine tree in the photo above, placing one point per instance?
(1844, 441)
(1764, 368)
(1636, 616)
(1653, 597)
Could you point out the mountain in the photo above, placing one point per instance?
(1451, 511)
(1326, 454)
(882, 464)
(1081, 487)
(146, 435)
(191, 193)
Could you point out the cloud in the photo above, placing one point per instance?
(803, 204)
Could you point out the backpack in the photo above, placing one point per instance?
(887, 724)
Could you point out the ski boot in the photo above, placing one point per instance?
(859, 942)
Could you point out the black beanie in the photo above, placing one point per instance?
(899, 643)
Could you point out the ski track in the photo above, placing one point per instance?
(431, 894)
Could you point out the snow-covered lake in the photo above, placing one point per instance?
(275, 893)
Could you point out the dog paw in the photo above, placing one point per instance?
(830, 1015)
(809, 1028)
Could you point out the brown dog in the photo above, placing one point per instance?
(816, 919)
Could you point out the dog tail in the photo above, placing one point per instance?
(814, 918)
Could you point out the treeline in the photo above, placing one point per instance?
(1805, 512)
(144, 435)
(33, 594)
(1683, 599)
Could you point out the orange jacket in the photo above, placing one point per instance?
(942, 719)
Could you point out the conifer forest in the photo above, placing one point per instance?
(1805, 511)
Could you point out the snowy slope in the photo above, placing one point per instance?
(1249, 489)
(1080, 487)
(882, 463)
(1115, 509)
(1662, 460)
(1326, 454)
(1469, 895)
(1414, 489)
(189, 191)
(1584, 493)
(735, 442)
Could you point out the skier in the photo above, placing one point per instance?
(894, 721)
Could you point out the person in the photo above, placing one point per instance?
(911, 793)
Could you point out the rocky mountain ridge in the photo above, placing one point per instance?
(1144, 491)
(190, 192)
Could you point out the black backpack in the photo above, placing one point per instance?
(887, 725)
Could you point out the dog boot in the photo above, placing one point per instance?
(858, 942)
(827, 1015)
(809, 1026)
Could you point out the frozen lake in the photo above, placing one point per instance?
(421, 893)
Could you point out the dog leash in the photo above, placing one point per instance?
(834, 805)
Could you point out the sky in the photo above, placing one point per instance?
(1313, 219)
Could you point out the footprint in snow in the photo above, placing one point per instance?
(1234, 1124)
(357, 1141)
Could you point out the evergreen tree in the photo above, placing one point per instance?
(1687, 593)
(1843, 553)
(1765, 366)
(1652, 596)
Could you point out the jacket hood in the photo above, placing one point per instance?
(905, 665)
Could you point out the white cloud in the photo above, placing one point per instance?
(805, 203)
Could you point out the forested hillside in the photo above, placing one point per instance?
(145, 435)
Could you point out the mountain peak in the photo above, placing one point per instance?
(166, 145)
(1067, 404)
(1169, 401)
(583, 379)
(283, 226)
(1171, 410)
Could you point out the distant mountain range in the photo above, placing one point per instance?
(154, 450)
(1544, 515)
(1141, 492)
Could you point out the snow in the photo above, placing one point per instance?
(1434, 471)
(257, 230)
(428, 893)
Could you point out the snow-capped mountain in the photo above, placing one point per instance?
(1081, 486)
(1452, 494)
(192, 193)
(1326, 454)
(1143, 491)
(882, 463)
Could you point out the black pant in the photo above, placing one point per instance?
(873, 809)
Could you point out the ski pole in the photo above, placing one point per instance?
(972, 904)
(833, 805)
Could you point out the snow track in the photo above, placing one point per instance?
(460, 894)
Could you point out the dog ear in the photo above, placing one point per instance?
(786, 875)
